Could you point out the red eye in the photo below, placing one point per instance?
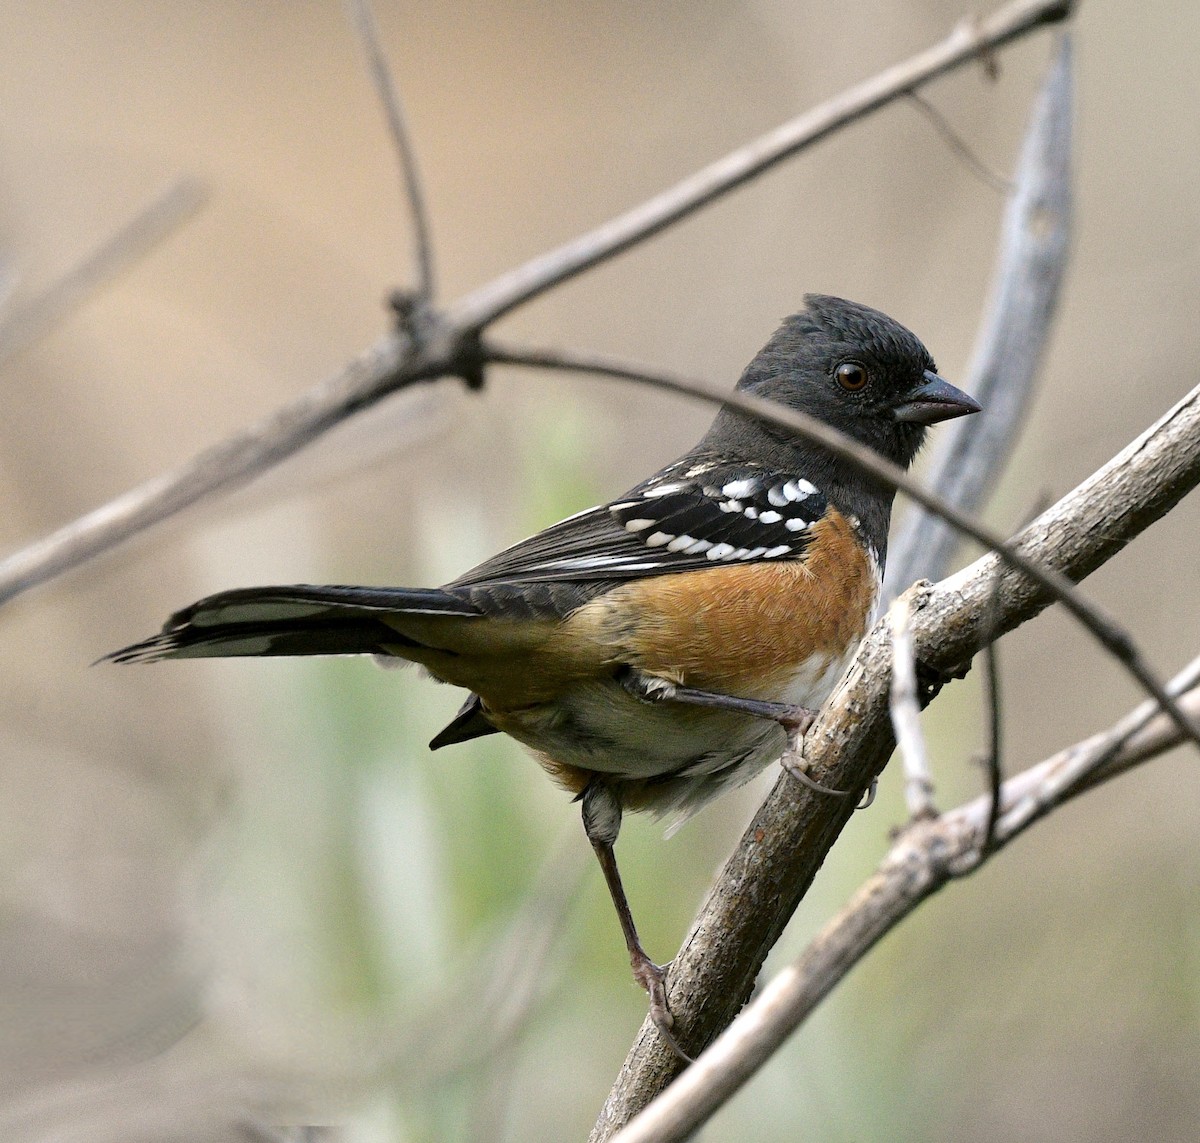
(851, 376)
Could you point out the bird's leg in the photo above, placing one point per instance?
(650, 688)
(795, 720)
(602, 823)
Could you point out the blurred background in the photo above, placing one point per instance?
(236, 894)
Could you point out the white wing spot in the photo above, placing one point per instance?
(795, 524)
(719, 551)
(751, 513)
(778, 550)
(681, 543)
(777, 496)
(657, 539)
(639, 525)
(698, 547)
(744, 487)
(769, 518)
(663, 490)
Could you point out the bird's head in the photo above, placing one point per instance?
(858, 370)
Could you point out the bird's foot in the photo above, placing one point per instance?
(653, 978)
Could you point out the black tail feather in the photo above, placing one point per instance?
(299, 620)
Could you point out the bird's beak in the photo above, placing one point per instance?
(932, 401)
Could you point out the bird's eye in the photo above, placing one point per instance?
(851, 376)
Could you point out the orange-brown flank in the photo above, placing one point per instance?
(741, 629)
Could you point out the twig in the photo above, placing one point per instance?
(959, 146)
(1107, 632)
(788, 840)
(905, 712)
(1012, 338)
(993, 766)
(968, 41)
(25, 324)
(928, 855)
(449, 347)
(367, 28)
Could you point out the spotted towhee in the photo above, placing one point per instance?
(660, 648)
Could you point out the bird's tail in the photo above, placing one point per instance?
(302, 620)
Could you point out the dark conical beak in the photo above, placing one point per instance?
(932, 401)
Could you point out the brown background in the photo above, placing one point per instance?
(239, 888)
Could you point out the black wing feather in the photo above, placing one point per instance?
(691, 515)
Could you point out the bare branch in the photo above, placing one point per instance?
(786, 843)
(928, 854)
(448, 345)
(969, 40)
(367, 28)
(1107, 632)
(1013, 336)
(906, 715)
(25, 324)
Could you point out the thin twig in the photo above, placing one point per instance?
(367, 28)
(993, 766)
(450, 348)
(968, 41)
(960, 147)
(1012, 338)
(25, 324)
(791, 834)
(905, 711)
(927, 855)
(1107, 632)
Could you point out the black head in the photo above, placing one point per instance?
(859, 371)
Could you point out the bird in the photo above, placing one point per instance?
(659, 649)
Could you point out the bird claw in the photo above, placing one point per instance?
(653, 978)
(796, 767)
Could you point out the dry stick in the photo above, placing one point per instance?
(928, 855)
(365, 25)
(790, 835)
(448, 348)
(905, 713)
(24, 324)
(1110, 634)
(1012, 338)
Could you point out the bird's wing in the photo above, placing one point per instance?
(695, 514)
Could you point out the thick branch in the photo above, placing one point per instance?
(785, 844)
(928, 854)
(448, 342)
